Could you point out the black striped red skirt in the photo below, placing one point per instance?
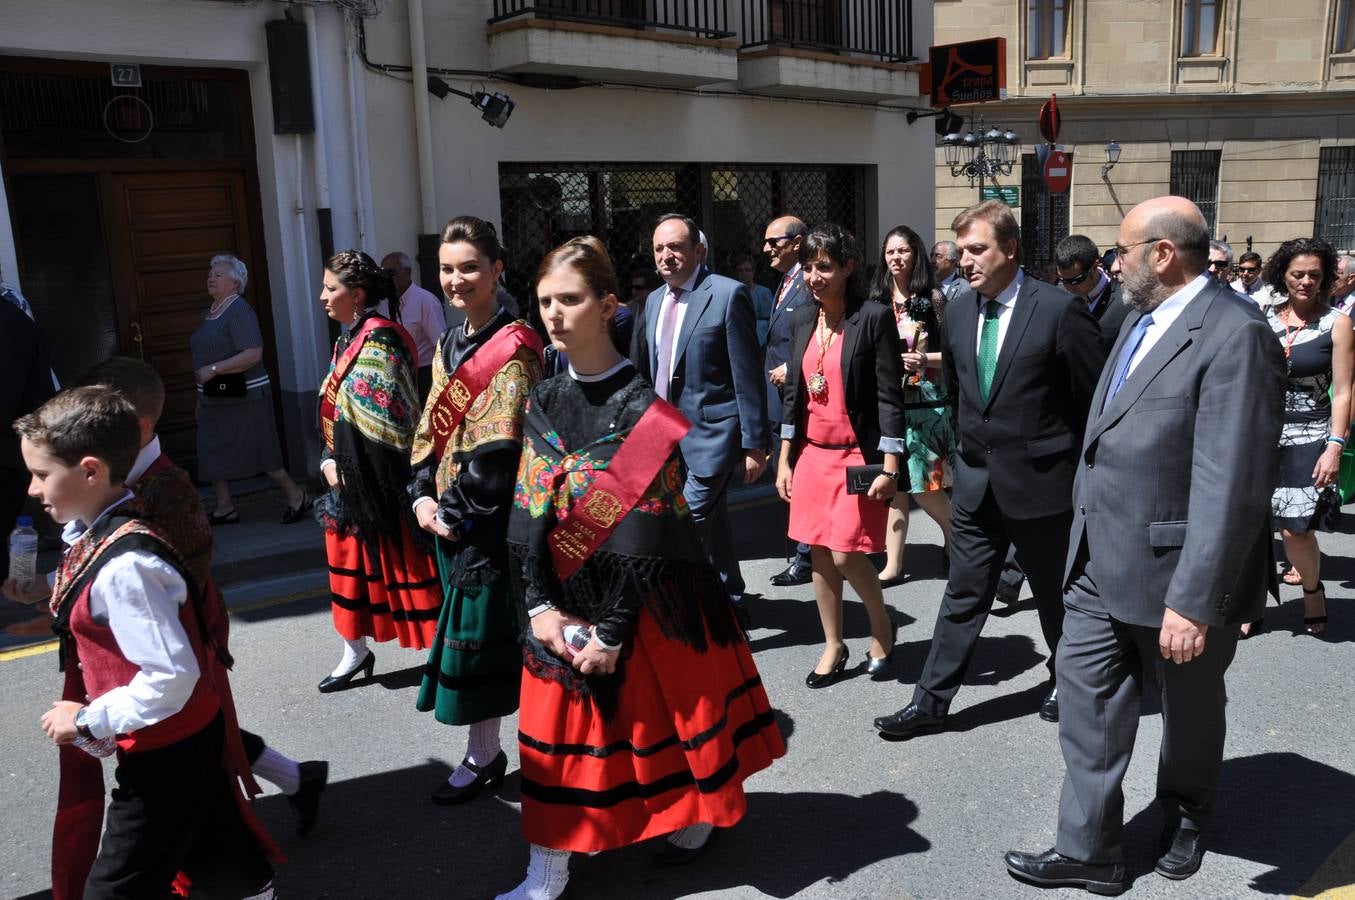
(689, 728)
(395, 595)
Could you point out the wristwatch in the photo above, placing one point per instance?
(82, 725)
(892, 476)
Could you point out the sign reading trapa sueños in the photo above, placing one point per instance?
(969, 72)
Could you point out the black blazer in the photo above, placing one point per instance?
(778, 342)
(871, 372)
(1023, 443)
(1110, 311)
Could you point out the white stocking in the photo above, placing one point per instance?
(354, 652)
(481, 750)
(547, 875)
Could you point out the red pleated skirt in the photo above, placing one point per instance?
(689, 728)
(394, 595)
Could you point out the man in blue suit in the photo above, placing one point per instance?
(698, 346)
(781, 243)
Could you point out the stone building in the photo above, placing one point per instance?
(1245, 106)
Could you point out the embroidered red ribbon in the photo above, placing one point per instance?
(593, 517)
(329, 397)
(473, 377)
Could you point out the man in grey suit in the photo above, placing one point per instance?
(1168, 551)
(698, 346)
(946, 261)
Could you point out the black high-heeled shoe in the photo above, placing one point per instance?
(815, 680)
(877, 664)
(446, 794)
(1315, 625)
(334, 683)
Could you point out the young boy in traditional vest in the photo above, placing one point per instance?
(132, 627)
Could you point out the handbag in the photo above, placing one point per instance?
(860, 478)
(1327, 515)
(231, 384)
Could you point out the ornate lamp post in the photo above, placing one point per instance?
(981, 158)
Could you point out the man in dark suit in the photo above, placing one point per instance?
(698, 346)
(1022, 357)
(781, 243)
(946, 261)
(27, 384)
(1168, 552)
(1079, 265)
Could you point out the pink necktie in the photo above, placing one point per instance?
(663, 372)
(781, 291)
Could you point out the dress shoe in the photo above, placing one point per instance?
(815, 680)
(306, 801)
(671, 856)
(792, 576)
(334, 683)
(909, 722)
(1049, 869)
(877, 664)
(489, 776)
(1049, 709)
(1181, 852)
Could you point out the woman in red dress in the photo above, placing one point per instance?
(844, 408)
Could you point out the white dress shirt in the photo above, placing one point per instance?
(1166, 313)
(1007, 302)
(660, 336)
(138, 596)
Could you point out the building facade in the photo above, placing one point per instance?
(120, 183)
(1245, 106)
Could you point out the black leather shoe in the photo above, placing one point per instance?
(1182, 850)
(815, 680)
(792, 576)
(671, 856)
(1049, 709)
(334, 683)
(1049, 869)
(306, 801)
(909, 722)
(490, 776)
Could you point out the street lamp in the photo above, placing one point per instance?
(1112, 157)
(981, 158)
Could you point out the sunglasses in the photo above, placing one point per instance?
(1076, 279)
(773, 241)
(1249, 269)
(1219, 264)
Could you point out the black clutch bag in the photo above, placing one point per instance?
(860, 478)
(228, 385)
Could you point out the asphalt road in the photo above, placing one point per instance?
(845, 814)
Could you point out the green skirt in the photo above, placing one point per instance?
(474, 667)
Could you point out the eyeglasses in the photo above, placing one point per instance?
(1219, 264)
(776, 239)
(1121, 251)
(1076, 279)
(1249, 270)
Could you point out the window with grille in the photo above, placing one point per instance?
(1195, 176)
(1046, 26)
(1200, 27)
(1345, 27)
(1038, 208)
(545, 204)
(1336, 197)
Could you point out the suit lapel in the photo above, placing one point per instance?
(792, 292)
(697, 301)
(963, 337)
(653, 311)
(1026, 301)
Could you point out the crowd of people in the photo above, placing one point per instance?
(541, 504)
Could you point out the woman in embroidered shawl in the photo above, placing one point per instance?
(465, 459)
(382, 581)
(647, 722)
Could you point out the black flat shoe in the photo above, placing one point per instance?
(489, 776)
(671, 856)
(297, 513)
(230, 518)
(1049, 869)
(909, 722)
(815, 680)
(306, 801)
(1181, 853)
(792, 576)
(1049, 709)
(334, 683)
(1315, 625)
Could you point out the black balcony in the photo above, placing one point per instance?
(882, 29)
(701, 18)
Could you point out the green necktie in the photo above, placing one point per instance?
(988, 349)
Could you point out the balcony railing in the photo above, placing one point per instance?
(879, 28)
(702, 18)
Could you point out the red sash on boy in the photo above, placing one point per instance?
(329, 396)
(472, 379)
(593, 518)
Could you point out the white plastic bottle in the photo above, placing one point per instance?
(23, 552)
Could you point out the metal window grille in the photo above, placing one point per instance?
(1037, 239)
(545, 204)
(867, 27)
(1335, 221)
(1195, 176)
(704, 18)
(1046, 28)
(1199, 27)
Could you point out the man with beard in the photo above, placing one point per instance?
(1022, 357)
(1168, 551)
